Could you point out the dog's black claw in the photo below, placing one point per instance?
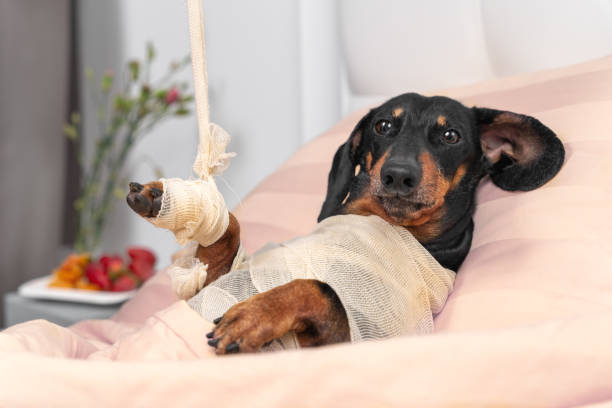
(267, 343)
(210, 335)
(232, 348)
(217, 320)
(214, 342)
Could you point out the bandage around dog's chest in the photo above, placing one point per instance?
(387, 282)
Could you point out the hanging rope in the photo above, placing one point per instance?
(194, 210)
(211, 158)
(198, 64)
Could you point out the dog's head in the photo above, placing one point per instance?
(416, 161)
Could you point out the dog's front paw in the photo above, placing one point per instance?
(249, 325)
(146, 200)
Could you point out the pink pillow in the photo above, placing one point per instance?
(544, 254)
(535, 256)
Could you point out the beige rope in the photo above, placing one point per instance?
(200, 76)
(194, 210)
(211, 158)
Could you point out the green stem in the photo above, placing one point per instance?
(101, 212)
(98, 186)
(111, 183)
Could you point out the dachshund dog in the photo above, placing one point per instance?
(415, 162)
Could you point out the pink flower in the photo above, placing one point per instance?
(172, 95)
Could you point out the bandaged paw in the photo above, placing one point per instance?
(194, 210)
(188, 275)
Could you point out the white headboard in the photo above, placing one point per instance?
(393, 46)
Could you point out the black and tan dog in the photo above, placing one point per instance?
(414, 161)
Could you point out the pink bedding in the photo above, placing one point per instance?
(560, 363)
(529, 322)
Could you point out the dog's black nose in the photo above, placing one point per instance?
(400, 178)
(138, 203)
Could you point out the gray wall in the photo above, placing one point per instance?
(34, 50)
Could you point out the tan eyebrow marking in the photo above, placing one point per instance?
(357, 169)
(441, 120)
(375, 171)
(461, 170)
(397, 111)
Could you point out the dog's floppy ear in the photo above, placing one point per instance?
(342, 171)
(520, 152)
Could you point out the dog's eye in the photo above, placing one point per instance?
(383, 127)
(451, 136)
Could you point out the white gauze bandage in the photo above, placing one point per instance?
(188, 274)
(387, 282)
(194, 210)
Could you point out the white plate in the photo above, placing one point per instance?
(38, 289)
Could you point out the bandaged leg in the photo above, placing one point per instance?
(194, 211)
(189, 274)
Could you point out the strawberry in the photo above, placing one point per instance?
(141, 268)
(111, 262)
(124, 283)
(140, 253)
(116, 270)
(96, 274)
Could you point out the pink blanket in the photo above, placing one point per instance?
(560, 363)
(529, 322)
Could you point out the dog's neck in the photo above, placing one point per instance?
(451, 247)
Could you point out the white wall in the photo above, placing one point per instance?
(395, 46)
(253, 64)
(320, 66)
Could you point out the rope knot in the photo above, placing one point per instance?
(212, 159)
